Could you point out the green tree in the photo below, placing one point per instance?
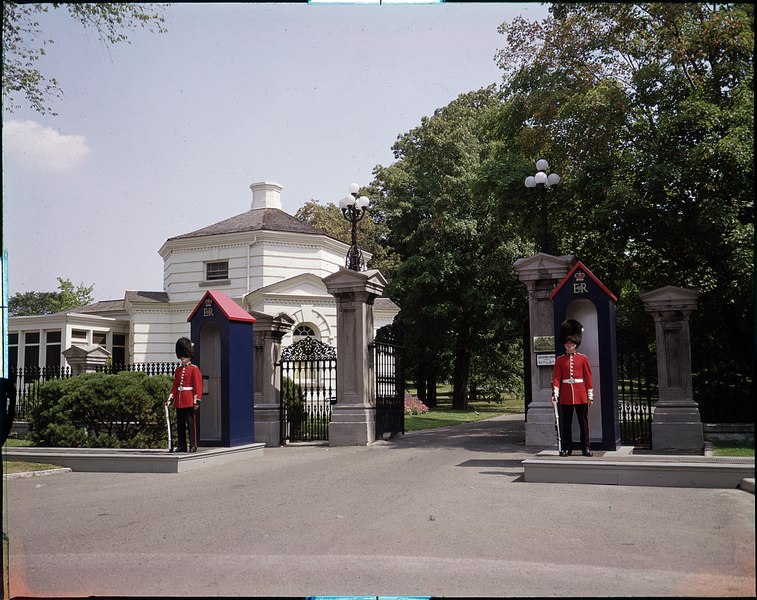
(647, 112)
(24, 44)
(372, 230)
(453, 283)
(67, 297)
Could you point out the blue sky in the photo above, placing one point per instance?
(164, 135)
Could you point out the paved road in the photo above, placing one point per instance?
(443, 512)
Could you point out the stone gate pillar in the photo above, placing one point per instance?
(676, 423)
(353, 418)
(267, 337)
(541, 273)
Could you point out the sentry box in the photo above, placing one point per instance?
(223, 344)
(583, 297)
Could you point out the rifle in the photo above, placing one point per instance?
(557, 426)
(168, 426)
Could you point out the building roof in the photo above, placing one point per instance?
(132, 296)
(231, 310)
(258, 219)
(382, 303)
(103, 306)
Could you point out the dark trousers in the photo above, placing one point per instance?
(185, 421)
(566, 425)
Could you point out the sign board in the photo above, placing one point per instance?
(543, 343)
(545, 360)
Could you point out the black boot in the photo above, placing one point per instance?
(587, 452)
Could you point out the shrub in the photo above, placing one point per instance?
(293, 398)
(96, 410)
(413, 406)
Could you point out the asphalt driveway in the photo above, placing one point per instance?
(442, 512)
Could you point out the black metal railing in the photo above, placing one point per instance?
(29, 380)
(308, 390)
(637, 388)
(154, 368)
(724, 398)
(389, 371)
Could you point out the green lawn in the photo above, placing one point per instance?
(443, 415)
(21, 466)
(733, 448)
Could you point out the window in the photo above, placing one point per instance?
(79, 334)
(52, 348)
(31, 349)
(301, 332)
(118, 353)
(98, 337)
(216, 270)
(12, 350)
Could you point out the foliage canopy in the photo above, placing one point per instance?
(67, 297)
(24, 44)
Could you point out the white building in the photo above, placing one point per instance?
(265, 259)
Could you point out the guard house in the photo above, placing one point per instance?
(223, 338)
(583, 297)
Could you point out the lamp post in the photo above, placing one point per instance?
(353, 209)
(542, 181)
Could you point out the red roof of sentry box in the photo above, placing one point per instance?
(590, 274)
(231, 310)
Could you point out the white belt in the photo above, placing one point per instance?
(189, 389)
(571, 380)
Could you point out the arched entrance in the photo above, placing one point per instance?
(210, 408)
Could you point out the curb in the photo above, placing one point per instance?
(747, 485)
(27, 474)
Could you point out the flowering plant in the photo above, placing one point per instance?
(413, 406)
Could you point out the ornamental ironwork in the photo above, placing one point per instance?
(308, 349)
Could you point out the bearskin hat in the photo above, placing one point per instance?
(571, 331)
(184, 348)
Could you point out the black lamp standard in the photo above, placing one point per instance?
(542, 181)
(353, 209)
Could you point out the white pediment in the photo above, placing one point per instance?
(303, 286)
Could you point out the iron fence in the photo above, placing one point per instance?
(637, 387)
(29, 380)
(389, 371)
(308, 390)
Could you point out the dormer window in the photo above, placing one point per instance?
(216, 270)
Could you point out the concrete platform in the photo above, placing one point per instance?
(623, 467)
(109, 460)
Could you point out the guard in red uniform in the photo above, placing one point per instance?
(572, 387)
(185, 394)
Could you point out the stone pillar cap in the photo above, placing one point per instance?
(670, 298)
(347, 280)
(90, 350)
(543, 266)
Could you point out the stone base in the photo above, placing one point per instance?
(268, 425)
(352, 426)
(540, 427)
(678, 436)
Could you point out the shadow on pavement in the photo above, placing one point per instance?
(504, 434)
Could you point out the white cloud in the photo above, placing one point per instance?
(38, 147)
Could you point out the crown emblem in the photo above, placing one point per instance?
(208, 302)
(580, 275)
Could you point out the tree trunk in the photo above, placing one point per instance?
(462, 370)
(431, 391)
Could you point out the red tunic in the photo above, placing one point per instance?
(189, 379)
(572, 367)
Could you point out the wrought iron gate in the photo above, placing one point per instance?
(637, 385)
(390, 381)
(308, 390)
